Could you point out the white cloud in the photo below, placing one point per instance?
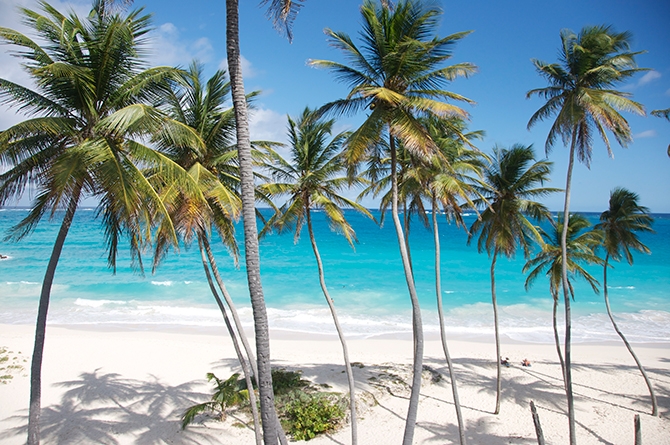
(646, 134)
(650, 76)
(248, 71)
(667, 92)
(267, 125)
(167, 47)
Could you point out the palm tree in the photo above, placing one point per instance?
(88, 116)
(398, 73)
(620, 224)
(662, 113)
(271, 427)
(511, 183)
(312, 179)
(581, 95)
(207, 203)
(447, 180)
(582, 244)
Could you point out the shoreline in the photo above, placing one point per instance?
(94, 377)
(298, 335)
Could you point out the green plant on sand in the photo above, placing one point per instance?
(228, 393)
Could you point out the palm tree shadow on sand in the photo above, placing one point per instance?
(101, 407)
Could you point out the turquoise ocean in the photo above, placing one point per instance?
(366, 283)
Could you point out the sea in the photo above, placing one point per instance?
(366, 282)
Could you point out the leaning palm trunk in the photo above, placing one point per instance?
(252, 256)
(554, 294)
(443, 335)
(41, 325)
(238, 324)
(654, 406)
(567, 374)
(340, 334)
(236, 345)
(494, 300)
(417, 328)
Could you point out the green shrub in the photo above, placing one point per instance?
(283, 381)
(307, 415)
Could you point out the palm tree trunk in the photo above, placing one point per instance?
(229, 301)
(236, 345)
(556, 338)
(497, 334)
(566, 294)
(252, 256)
(417, 328)
(340, 334)
(406, 222)
(238, 325)
(443, 334)
(654, 406)
(41, 325)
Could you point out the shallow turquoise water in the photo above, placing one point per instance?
(367, 284)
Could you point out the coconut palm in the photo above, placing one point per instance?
(283, 11)
(398, 73)
(581, 95)
(447, 180)
(83, 139)
(313, 179)
(582, 244)
(663, 113)
(208, 203)
(511, 182)
(620, 223)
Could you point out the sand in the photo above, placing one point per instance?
(130, 385)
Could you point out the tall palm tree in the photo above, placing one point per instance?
(282, 12)
(208, 203)
(398, 73)
(83, 139)
(511, 182)
(620, 224)
(447, 181)
(271, 427)
(582, 244)
(581, 95)
(313, 179)
(662, 113)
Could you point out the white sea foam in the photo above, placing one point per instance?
(162, 283)
(97, 303)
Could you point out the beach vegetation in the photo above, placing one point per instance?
(512, 182)
(307, 415)
(620, 224)
(582, 97)
(285, 381)
(582, 242)
(89, 116)
(305, 411)
(312, 178)
(227, 393)
(397, 74)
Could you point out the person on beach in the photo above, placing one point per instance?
(505, 361)
(525, 363)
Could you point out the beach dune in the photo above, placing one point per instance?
(123, 385)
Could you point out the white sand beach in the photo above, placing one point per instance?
(122, 385)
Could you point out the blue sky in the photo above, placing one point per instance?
(507, 35)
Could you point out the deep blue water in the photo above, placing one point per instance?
(367, 284)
